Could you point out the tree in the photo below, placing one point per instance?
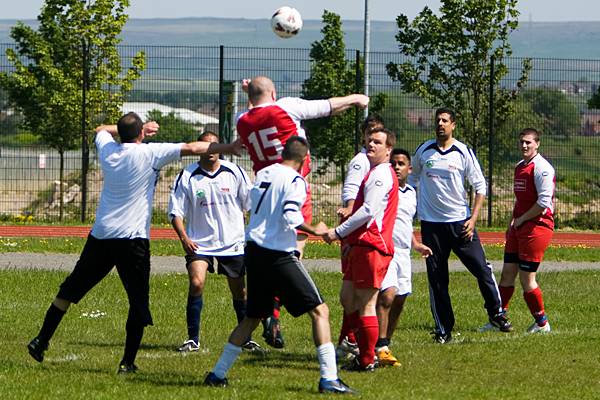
(74, 39)
(449, 60)
(559, 115)
(172, 128)
(332, 75)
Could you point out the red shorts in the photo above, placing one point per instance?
(306, 210)
(366, 267)
(529, 241)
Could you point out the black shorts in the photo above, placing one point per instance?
(230, 266)
(279, 274)
(99, 256)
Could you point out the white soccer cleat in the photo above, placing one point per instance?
(535, 328)
(346, 351)
(188, 346)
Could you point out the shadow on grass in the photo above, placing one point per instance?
(118, 345)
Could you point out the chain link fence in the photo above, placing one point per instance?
(190, 89)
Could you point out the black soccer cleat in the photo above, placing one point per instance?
(36, 348)
(125, 369)
(501, 322)
(212, 380)
(272, 333)
(441, 338)
(356, 366)
(337, 387)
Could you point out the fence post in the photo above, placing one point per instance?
(85, 151)
(491, 118)
(357, 112)
(221, 105)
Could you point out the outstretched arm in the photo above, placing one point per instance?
(339, 104)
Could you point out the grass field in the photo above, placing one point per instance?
(83, 356)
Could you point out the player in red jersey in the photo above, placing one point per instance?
(265, 128)
(370, 246)
(531, 228)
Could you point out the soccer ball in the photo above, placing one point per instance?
(286, 22)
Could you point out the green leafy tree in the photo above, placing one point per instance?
(332, 75)
(559, 114)
(49, 63)
(449, 57)
(172, 128)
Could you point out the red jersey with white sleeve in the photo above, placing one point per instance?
(535, 182)
(265, 128)
(374, 213)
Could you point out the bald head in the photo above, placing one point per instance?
(261, 90)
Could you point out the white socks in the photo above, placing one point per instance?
(327, 365)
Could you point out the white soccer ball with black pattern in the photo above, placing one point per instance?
(286, 22)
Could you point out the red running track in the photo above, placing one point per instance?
(560, 238)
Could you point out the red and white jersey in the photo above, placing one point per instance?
(535, 182)
(265, 128)
(374, 213)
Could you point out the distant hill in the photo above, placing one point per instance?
(532, 39)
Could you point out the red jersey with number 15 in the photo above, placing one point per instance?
(534, 183)
(266, 128)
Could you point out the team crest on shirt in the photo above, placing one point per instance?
(200, 194)
(429, 163)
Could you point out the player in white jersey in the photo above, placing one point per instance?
(206, 209)
(397, 284)
(440, 167)
(274, 270)
(120, 235)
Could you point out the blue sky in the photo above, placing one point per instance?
(385, 10)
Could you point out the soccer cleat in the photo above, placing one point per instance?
(125, 368)
(535, 328)
(36, 348)
(272, 333)
(355, 366)
(253, 347)
(188, 346)
(501, 322)
(346, 350)
(212, 380)
(441, 339)
(336, 386)
(386, 358)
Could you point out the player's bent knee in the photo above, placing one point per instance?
(320, 312)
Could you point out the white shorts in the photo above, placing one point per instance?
(399, 273)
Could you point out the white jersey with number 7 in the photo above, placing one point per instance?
(276, 200)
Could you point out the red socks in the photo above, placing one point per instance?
(506, 293)
(276, 308)
(535, 302)
(349, 324)
(368, 333)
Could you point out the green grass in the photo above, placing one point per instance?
(84, 353)
(314, 250)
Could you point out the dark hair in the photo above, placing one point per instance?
(295, 149)
(531, 131)
(390, 140)
(400, 152)
(129, 127)
(207, 133)
(446, 110)
(371, 121)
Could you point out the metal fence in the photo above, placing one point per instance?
(188, 83)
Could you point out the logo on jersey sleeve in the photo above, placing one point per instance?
(356, 167)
